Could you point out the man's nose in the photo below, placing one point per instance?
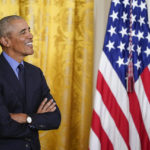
(30, 35)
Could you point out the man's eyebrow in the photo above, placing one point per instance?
(22, 30)
(25, 29)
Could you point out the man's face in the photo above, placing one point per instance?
(20, 38)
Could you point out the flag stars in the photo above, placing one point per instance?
(127, 63)
(138, 50)
(124, 17)
(141, 20)
(120, 61)
(112, 30)
(121, 46)
(134, 4)
(130, 47)
(110, 45)
(126, 2)
(140, 35)
(147, 51)
(138, 64)
(123, 32)
(127, 35)
(116, 2)
(133, 33)
(143, 6)
(133, 18)
(148, 37)
(114, 15)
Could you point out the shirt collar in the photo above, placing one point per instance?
(13, 63)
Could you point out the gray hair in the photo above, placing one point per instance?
(5, 24)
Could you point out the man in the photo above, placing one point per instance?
(26, 104)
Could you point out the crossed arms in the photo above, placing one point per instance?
(45, 107)
(47, 116)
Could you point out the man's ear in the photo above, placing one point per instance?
(4, 41)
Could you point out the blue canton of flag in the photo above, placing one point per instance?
(116, 44)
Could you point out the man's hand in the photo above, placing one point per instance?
(47, 106)
(19, 117)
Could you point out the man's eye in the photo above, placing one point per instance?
(23, 32)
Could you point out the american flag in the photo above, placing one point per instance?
(121, 119)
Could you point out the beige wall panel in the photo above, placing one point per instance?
(100, 21)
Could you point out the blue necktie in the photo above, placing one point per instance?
(21, 77)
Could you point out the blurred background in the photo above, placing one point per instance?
(68, 39)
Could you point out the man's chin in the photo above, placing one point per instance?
(31, 52)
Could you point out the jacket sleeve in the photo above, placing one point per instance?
(46, 121)
(10, 128)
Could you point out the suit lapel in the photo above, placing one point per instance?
(10, 75)
(13, 82)
(28, 83)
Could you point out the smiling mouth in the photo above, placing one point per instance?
(29, 44)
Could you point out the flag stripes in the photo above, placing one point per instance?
(135, 143)
(121, 119)
(144, 105)
(100, 110)
(137, 128)
(100, 133)
(138, 121)
(146, 77)
(113, 108)
(94, 141)
(115, 84)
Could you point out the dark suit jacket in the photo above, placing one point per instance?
(13, 135)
